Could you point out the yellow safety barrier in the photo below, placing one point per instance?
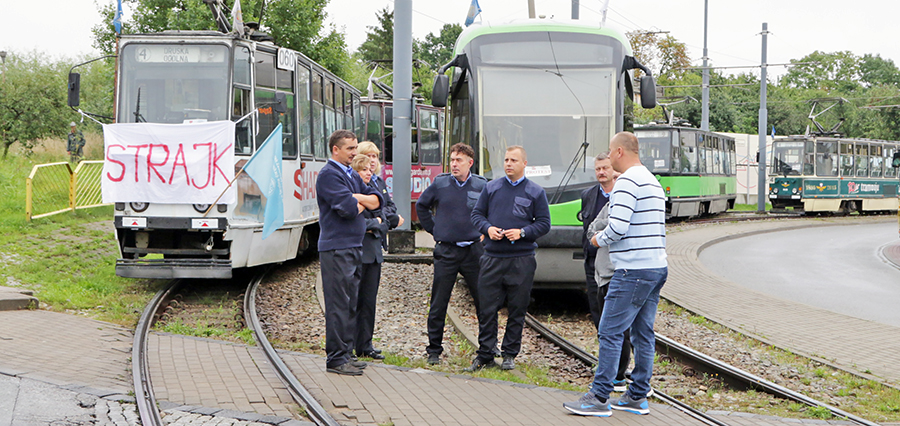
(54, 188)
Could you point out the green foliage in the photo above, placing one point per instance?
(437, 50)
(379, 44)
(819, 413)
(295, 24)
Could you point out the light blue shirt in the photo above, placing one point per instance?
(517, 182)
(463, 183)
(346, 169)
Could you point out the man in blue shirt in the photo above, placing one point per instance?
(513, 212)
(458, 246)
(341, 196)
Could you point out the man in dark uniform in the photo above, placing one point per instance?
(75, 144)
(458, 247)
(341, 196)
(513, 212)
(592, 201)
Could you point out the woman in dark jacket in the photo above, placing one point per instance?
(372, 257)
(390, 209)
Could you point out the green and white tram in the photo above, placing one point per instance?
(831, 174)
(696, 168)
(557, 88)
(182, 77)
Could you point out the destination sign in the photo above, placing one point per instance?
(179, 54)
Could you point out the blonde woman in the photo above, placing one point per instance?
(370, 276)
(370, 150)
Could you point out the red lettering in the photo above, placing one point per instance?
(208, 167)
(215, 163)
(183, 164)
(298, 183)
(137, 155)
(152, 166)
(306, 185)
(108, 158)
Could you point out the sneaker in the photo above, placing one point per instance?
(434, 359)
(478, 364)
(346, 369)
(620, 385)
(589, 405)
(509, 363)
(636, 406)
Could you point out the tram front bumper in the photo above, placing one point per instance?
(173, 268)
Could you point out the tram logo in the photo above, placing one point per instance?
(305, 185)
(853, 187)
(821, 186)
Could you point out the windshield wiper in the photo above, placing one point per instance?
(138, 118)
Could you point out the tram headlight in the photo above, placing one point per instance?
(201, 208)
(139, 206)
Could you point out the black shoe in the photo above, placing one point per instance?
(358, 364)
(346, 369)
(478, 364)
(434, 359)
(372, 354)
(508, 363)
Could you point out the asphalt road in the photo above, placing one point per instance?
(838, 268)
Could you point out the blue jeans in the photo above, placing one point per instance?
(630, 303)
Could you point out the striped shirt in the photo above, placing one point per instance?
(636, 234)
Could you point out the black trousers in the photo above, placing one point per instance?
(625, 355)
(502, 279)
(370, 277)
(592, 289)
(449, 260)
(340, 285)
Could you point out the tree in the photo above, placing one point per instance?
(874, 70)
(295, 24)
(437, 50)
(33, 90)
(666, 57)
(379, 44)
(831, 72)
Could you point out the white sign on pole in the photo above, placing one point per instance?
(168, 163)
(286, 59)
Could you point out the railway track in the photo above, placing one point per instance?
(701, 362)
(143, 387)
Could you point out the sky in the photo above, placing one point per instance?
(797, 27)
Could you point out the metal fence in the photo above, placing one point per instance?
(55, 188)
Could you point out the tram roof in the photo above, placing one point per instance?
(813, 138)
(534, 25)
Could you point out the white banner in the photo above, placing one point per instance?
(168, 163)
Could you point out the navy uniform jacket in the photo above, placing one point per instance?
(389, 208)
(592, 201)
(373, 242)
(341, 226)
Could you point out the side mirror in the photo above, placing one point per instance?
(280, 102)
(441, 90)
(896, 162)
(74, 88)
(648, 92)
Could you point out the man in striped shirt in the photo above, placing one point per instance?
(636, 236)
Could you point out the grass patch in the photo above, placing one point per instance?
(749, 207)
(68, 259)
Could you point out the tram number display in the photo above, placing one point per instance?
(178, 54)
(286, 59)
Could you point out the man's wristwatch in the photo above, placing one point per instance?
(521, 234)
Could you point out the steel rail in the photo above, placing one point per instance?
(143, 387)
(591, 361)
(300, 394)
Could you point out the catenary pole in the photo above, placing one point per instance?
(531, 9)
(761, 187)
(403, 108)
(704, 115)
(575, 7)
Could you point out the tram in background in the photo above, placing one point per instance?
(557, 88)
(696, 168)
(190, 76)
(834, 174)
(427, 142)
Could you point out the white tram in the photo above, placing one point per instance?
(184, 77)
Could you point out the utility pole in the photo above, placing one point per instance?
(761, 189)
(704, 115)
(575, 7)
(403, 110)
(530, 9)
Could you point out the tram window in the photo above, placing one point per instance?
(655, 150)
(809, 158)
(241, 106)
(320, 141)
(289, 143)
(701, 160)
(862, 161)
(388, 134)
(846, 159)
(429, 137)
(358, 117)
(284, 80)
(303, 126)
(888, 152)
(373, 126)
(875, 161)
(242, 65)
(826, 159)
(265, 70)
(688, 155)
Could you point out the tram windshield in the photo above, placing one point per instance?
(655, 150)
(167, 83)
(790, 158)
(548, 92)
